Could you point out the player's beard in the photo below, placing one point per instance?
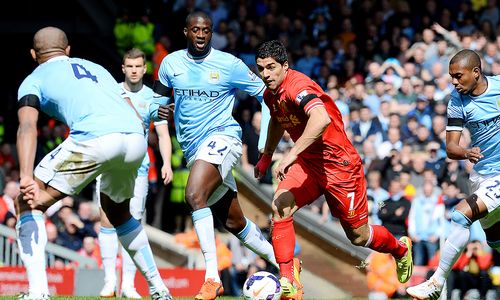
(195, 52)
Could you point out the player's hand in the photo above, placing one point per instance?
(285, 163)
(167, 174)
(262, 165)
(29, 189)
(165, 110)
(474, 154)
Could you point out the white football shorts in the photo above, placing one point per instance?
(74, 164)
(138, 202)
(487, 188)
(224, 151)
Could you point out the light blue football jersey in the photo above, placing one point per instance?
(83, 95)
(204, 92)
(146, 102)
(481, 116)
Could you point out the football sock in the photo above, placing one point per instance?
(204, 225)
(31, 240)
(381, 240)
(455, 243)
(108, 243)
(283, 239)
(252, 238)
(134, 239)
(128, 269)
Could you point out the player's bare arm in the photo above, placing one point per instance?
(316, 124)
(26, 147)
(166, 152)
(162, 90)
(274, 134)
(455, 151)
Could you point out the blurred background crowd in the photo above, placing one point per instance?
(384, 63)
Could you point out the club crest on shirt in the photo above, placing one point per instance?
(214, 76)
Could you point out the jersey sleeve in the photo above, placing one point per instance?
(246, 80)
(305, 94)
(455, 112)
(153, 108)
(30, 86)
(164, 71)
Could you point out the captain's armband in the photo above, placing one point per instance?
(162, 89)
(29, 100)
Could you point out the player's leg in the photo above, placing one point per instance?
(491, 226)
(348, 200)
(295, 191)
(204, 179)
(32, 239)
(108, 243)
(210, 167)
(229, 212)
(137, 206)
(117, 186)
(58, 167)
(464, 214)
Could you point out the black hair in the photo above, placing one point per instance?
(467, 58)
(196, 14)
(273, 49)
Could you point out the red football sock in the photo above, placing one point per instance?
(283, 240)
(383, 241)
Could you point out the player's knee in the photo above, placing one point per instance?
(460, 218)
(195, 199)
(356, 236)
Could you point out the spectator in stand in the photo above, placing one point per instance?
(308, 61)
(377, 192)
(422, 112)
(393, 142)
(381, 277)
(436, 159)
(10, 192)
(90, 248)
(395, 210)
(74, 232)
(7, 216)
(425, 223)
(473, 265)
(379, 94)
(368, 128)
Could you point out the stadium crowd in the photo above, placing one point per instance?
(385, 63)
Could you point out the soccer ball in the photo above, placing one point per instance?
(262, 285)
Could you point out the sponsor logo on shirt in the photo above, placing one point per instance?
(199, 95)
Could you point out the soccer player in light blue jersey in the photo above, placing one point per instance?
(203, 82)
(146, 103)
(106, 138)
(475, 105)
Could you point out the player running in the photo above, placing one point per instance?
(322, 161)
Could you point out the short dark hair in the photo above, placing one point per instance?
(274, 49)
(196, 14)
(467, 58)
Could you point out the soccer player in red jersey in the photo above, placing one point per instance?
(322, 161)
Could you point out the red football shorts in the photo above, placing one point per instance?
(344, 188)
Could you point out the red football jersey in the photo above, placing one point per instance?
(297, 95)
